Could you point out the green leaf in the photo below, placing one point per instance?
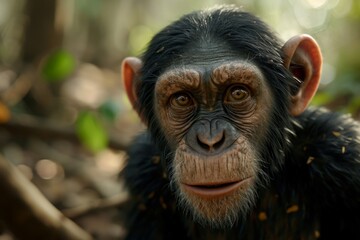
(91, 131)
(110, 110)
(58, 66)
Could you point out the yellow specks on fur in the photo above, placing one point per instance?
(310, 159)
(292, 209)
(336, 134)
(343, 149)
(262, 216)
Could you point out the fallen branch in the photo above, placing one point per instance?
(116, 201)
(27, 213)
(31, 126)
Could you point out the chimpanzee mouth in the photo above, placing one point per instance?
(214, 186)
(212, 190)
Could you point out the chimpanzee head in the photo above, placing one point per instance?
(218, 91)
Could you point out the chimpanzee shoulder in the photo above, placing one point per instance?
(323, 165)
(315, 194)
(328, 143)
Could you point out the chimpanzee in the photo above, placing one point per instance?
(231, 150)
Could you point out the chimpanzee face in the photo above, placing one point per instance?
(215, 116)
(218, 101)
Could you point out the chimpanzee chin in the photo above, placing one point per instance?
(232, 150)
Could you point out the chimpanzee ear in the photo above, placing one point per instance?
(130, 70)
(303, 58)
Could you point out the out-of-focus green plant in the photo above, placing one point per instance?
(91, 131)
(58, 66)
(110, 110)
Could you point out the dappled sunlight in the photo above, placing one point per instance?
(48, 169)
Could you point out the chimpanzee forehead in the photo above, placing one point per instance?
(208, 53)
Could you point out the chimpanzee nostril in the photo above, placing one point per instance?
(218, 144)
(210, 143)
(202, 144)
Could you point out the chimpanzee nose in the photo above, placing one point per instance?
(211, 142)
(211, 137)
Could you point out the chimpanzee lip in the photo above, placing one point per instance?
(215, 189)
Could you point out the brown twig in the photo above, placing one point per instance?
(27, 213)
(116, 201)
(30, 126)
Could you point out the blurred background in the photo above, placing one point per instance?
(64, 118)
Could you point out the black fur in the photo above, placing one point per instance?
(312, 162)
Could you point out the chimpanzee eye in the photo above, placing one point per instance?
(237, 94)
(181, 100)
